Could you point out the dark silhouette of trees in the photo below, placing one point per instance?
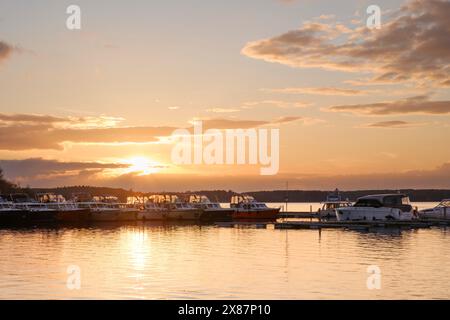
(5, 185)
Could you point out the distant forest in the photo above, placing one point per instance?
(265, 196)
(418, 195)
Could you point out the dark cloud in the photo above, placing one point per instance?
(26, 132)
(414, 105)
(412, 46)
(245, 124)
(35, 136)
(5, 51)
(33, 168)
(434, 178)
(325, 91)
(30, 118)
(397, 124)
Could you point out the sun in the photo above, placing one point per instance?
(142, 166)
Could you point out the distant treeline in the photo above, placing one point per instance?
(421, 195)
(6, 186)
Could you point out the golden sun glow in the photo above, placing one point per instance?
(142, 166)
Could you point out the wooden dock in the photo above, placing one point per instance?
(361, 225)
(298, 215)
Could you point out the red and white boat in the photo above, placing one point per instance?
(247, 208)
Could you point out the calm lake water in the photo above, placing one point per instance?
(169, 261)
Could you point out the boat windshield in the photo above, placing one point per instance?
(374, 203)
(396, 200)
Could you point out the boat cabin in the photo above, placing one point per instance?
(246, 202)
(399, 201)
(331, 205)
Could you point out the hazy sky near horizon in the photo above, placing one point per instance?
(356, 108)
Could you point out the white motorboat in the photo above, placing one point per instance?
(211, 211)
(66, 211)
(177, 209)
(441, 211)
(107, 208)
(11, 215)
(333, 202)
(37, 212)
(378, 207)
(150, 209)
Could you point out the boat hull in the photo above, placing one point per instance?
(13, 217)
(152, 215)
(216, 215)
(269, 214)
(43, 216)
(189, 214)
(104, 215)
(128, 215)
(373, 214)
(81, 215)
(436, 213)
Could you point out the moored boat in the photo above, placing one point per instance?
(177, 209)
(149, 209)
(36, 212)
(378, 207)
(10, 215)
(333, 202)
(66, 211)
(441, 211)
(98, 210)
(107, 208)
(211, 211)
(246, 207)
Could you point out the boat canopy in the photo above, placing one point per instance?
(165, 198)
(242, 199)
(50, 197)
(386, 200)
(195, 198)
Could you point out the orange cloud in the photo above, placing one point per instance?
(396, 124)
(325, 91)
(413, 46)
(26, 132)
(414, 105)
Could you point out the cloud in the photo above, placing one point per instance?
(287, 119)
(413, 105)
(396, 124)
(434, 178)
(275, 103)
(28, 132)
(325, 91)
(247, 124)
(413, 46)
(27, 118)
(63, 122)
(5, 51)
(38, 168)
(223, 110)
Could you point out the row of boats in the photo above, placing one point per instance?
(47, 207)
(380, 207)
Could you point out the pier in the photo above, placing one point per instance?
(361, 225)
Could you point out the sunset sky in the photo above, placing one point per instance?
(356, 107)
